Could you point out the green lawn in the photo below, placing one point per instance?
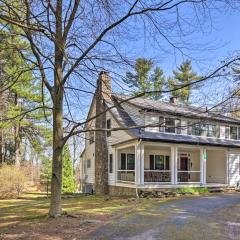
(34, 207)
(26, 218)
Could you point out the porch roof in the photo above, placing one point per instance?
(188, 139)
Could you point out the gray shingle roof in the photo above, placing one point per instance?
(177, 110)
(125, 120)
(188, 139)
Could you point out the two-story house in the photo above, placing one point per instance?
(161, 144)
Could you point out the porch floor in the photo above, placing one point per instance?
(162, 186)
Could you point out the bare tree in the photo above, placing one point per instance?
(72, 41)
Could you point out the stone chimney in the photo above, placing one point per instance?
(105, 85)
(103, 93)
(174, 100)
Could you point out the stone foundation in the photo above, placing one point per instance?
(122, 191)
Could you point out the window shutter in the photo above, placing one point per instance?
(123, 161)
(151, 162)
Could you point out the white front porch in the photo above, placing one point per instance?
(160, 165)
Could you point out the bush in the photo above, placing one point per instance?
(193, 190)
(12, 181)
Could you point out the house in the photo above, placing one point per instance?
(159, 144)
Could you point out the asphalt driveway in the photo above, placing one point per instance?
(205, 217)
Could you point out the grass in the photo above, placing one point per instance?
(26, 217)
(35, 206)
(193, 190)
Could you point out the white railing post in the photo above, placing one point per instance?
(172, 165)
(175, 165)
(116, 164)
(138, 164)
(203, 159)
(142, 164)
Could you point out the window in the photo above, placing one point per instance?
(170, 125)
(127, 161)
(161, 124)
(89, 163)
(159, 162)
(239, 134)
(196, 129)
(205, 130)
(178, 126)
(109, 126)
(189, 128)
(233, 132)
(130, 161)
(110, 163)
(91, 137)
(227, 132)
(213, 131)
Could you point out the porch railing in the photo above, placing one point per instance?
(126, 175)
(157, 176)
(188, 176)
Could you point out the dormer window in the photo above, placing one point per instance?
(170, 125)
(109, 126)
(233, 132)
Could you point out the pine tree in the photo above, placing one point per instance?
(157, 81)
(22, 96)
(145, 79)
(68, 182)
(46, 171)
(182, 76)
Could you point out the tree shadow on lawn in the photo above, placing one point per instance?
(26, 218)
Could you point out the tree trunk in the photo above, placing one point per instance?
(18, 150)
(1, 147)
(56, 183)
(57, 97)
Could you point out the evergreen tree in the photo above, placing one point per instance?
(157, 81)
(145, 79)
(46, 171)
(68, 182)
(20, 92)
(182, 76)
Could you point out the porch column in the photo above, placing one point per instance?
(172, 165)
(203, 159)
(142, 164)
(115, 157)
(139, 163)
(175, 164)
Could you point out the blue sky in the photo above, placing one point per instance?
(213, 44)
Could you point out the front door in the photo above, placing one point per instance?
(184, 166)
(183, 163)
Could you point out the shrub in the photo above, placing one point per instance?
(193, 190)
(12, 181)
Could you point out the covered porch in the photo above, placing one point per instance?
(163, 165)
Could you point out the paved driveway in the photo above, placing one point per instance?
(206, 217)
